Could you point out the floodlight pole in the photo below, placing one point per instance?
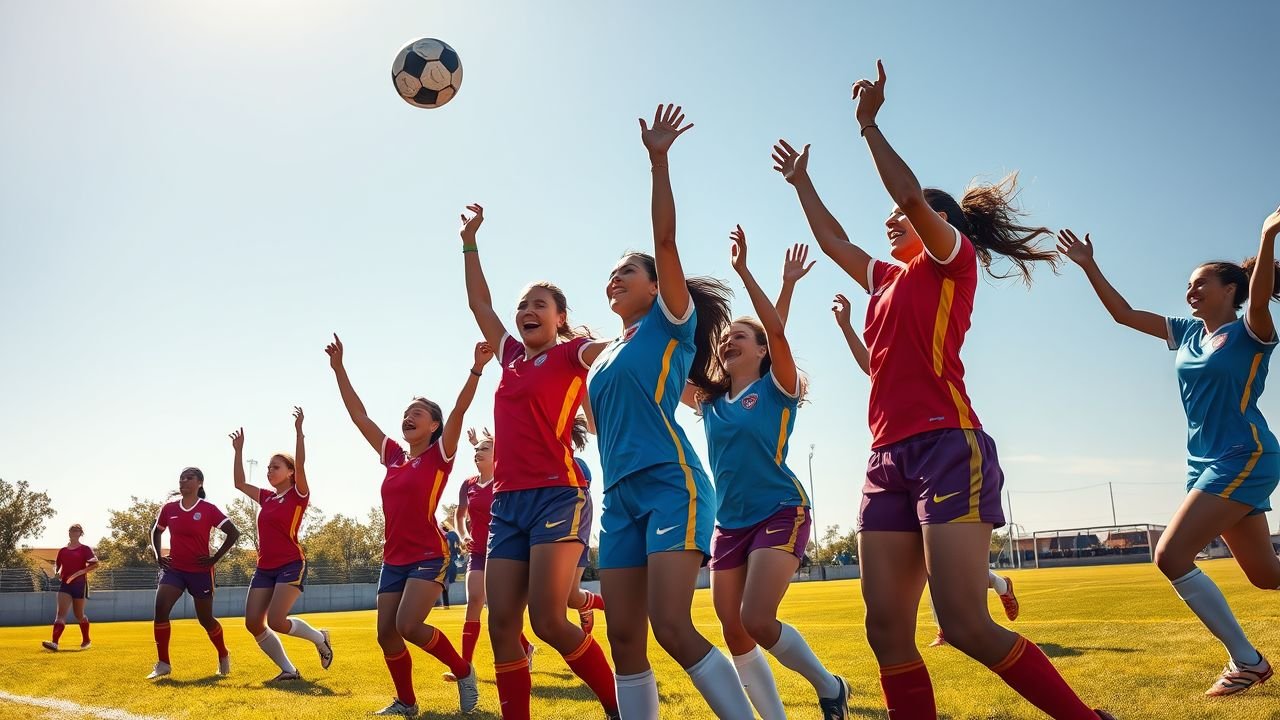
(813, 518)
(1013, 554)
(253, 466)
(1112, 493)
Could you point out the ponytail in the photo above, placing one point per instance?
(200, 493)
(579, 432)
(1229, 273)
(986, 214)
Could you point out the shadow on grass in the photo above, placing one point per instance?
(305, 687)
(1059, 651)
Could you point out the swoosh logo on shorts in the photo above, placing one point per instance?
(664, 531)
(943, 498)
(553, 524)
(770, 532)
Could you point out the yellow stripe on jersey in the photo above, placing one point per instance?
(691, 525)
(941, 321)
(1248, 385)
(1253, 459)
(962, 408)
(782, 443)
(436, 486)
(666, 370)
(566, 407)
(975, 478)
(293, 530)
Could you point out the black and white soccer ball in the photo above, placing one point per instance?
(427, 73)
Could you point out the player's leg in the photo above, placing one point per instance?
(471, 623)
(727, 586)
(420, 595)
(891, 564)
(204, 615)
(62, 604)
(1003, 587)
(625, 591)
(168, 592)
(77, 606)
(281, 600)
(399, 662)
(1250, 544)
(289, 586)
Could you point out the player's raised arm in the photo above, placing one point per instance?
(1080, 252)
(299, 454)
(372, 434)
(667, 121)
(478, 297)
(831, 237)
(782, 364)
(237, 466)
(840, 307)
(1262, 282)
(453, 426)
(795, 266)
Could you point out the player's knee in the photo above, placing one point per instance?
(389, 638)
(502, 626)
(1268, 579)
(548, 626)
(406, 625)
(254, 625)
(1173, 564)
(968, 635)
(281, 624)
(671, 633)
(761, 624)
(888, 630)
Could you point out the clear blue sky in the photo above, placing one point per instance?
(195, 195)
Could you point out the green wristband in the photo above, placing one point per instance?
(470, 248)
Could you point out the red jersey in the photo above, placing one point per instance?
(278, 523)
(410, 494)
(72, 560)
(533, 413)
(479, 500)
(916, 322)
(189, 531)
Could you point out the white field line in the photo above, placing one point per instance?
(70, 707)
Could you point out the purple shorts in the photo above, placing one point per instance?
(78, 589)
(475, 561)
(293, 574)
(786, 530)
(199, 584)
(938, 477)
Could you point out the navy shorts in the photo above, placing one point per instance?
(393, 577)
(199, 584)
(78, 589)
(294, 573)
(524, 518)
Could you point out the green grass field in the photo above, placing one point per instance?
(1118, 634)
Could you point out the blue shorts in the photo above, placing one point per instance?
(199, 584)
(661, 508)
(589, 512)
(393, 577)
(1242, 478)
(294, 573)
(521, 519)
(78, 589)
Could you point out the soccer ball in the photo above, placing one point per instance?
(427, 73)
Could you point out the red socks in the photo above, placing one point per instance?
(908, 692)
(58, 627)
(514, 686)
(161, 631)
(588, 662)
(1029, 672)
(441, 649)
(594, 602)
(84, 632)
(215, 637)
(401, 667)
(470, 634)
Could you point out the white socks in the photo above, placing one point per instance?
(997, 583)
(794, 653)
(716, 680)
(300, 629)
(637, 695)
(757, 680)
(1206, 601)
(270, 644)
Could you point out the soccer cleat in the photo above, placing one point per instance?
(468, 693)
(85, 645)
(1104, 715)
(1238, 677)
(160, 670)
(398, 708)
(836, 708)
(49, 645)
(939, 641)
(1009, 600)
(586, 614)
(224, 666)
(285, 676)
(326, 651)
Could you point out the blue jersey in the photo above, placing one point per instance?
(1221, 377)
(583, 469)
(635, 387)
(747, 441)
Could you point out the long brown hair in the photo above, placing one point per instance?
(1230, 273)
(564, 331)
(711, 302)
(986, 214)
(579, 432)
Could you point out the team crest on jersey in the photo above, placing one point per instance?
(416, 461)
(541, 359)
(1218, 341)
(196, 516)
(630, 333)
(749, 401)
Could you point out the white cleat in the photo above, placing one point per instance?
(468, 693)
(160, 670)
(326, 651)
(398, 708)
(49, 645)
(224, 666)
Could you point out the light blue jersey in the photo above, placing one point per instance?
(747, 441)
(1221, 377)
(635, 387)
